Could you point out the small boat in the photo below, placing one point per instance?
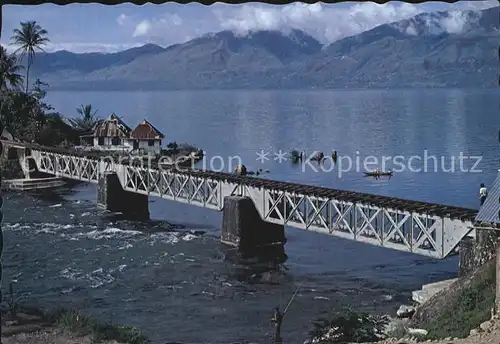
(378, 174)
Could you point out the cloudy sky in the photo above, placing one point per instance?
(94, 27)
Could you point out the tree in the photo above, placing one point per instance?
(87, 119)
(20, 114)
(38, 91)
(9, 69)
(174, 147)
(28, 38)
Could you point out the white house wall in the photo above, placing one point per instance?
(144, 145)
(125, 145)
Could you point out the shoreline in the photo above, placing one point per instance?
(35, 325)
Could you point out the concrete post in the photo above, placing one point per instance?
(485, 246)
(112, 197)
(476, 252)
(242, 227)
(466, 254)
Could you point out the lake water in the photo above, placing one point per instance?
(177, 285)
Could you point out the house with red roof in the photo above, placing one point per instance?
(146, 138)
(112, 134)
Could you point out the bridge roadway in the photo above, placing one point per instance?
(422, 228)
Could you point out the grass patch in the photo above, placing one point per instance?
(81, 325)
(471, 308)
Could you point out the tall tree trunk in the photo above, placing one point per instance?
(27, 77)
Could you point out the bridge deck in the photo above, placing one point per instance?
(308, 190)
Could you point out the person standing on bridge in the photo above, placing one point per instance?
(483, 193)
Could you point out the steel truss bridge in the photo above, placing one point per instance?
(422, 228)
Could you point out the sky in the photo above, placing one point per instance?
(101, 28)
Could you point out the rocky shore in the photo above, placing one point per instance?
(463, 312)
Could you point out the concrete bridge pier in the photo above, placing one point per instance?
(243, 228)
(112, 197)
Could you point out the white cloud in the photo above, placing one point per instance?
(330, 23)
(326, 23)
(457, 21)
(122, 19)
(171, 28)
(142, 29)
(452, 22)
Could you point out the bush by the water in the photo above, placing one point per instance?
(348, 326)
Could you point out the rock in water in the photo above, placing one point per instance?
(405, 311)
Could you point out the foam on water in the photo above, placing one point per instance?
(95, 279)
(110, 233)
(79, 231)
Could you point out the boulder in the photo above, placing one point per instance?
(485, 326)
(405, 311)
(473, 332)
(417, 332)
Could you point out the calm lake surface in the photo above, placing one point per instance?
(178, 284)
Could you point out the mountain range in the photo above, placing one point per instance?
(441, 49)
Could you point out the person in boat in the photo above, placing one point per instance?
(320, 156)
(483, 193)
(241, 170)
(334, 156)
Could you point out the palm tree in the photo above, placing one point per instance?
(9, 69)
(87, 119)
(28, 38)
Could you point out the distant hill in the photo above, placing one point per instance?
(443, 49)
(64, 60)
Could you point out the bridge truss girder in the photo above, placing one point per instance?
(416, 232)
